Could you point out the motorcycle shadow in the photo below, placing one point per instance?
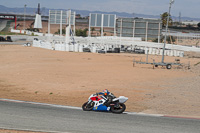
(109, 112)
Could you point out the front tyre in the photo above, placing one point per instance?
(87, 106)
(118, 109)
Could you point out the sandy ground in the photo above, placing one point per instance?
(67, 78)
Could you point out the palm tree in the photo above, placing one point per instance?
(164, 19)
(92, 30)
(198, 24)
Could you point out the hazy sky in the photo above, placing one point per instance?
(189, 8)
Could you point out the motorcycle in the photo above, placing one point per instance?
(99, 103)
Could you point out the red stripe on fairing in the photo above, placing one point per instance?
(96, 98)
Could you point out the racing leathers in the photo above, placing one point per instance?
(106, 96)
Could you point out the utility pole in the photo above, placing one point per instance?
(179, 18)
(25, 16)
(170, 4)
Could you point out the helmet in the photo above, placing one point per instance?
(106, 92)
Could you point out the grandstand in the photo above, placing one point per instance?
(3, 24)
(8, 21)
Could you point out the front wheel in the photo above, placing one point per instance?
(88, 106)
(118, 108)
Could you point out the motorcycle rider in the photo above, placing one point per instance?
(108, 96)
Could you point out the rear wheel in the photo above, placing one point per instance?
(118, 108)
(168, 66)
(88, 106)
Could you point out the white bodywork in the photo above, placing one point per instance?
(97, 103)
(121, 99)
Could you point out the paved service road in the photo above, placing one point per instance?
(26, 116)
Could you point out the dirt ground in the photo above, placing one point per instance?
(68, 78)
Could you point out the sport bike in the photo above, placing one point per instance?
(100, 103)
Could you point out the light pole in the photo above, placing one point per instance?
(24, 16)
(170, 4)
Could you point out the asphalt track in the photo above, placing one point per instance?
(55, 118)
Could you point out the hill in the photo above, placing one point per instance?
(45, 11)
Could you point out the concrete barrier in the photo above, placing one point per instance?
(157, 51)
(80, 49)
(181, 54)
(71, 48)
(67, 47)
(150, 50)
(76, 47)
(61, 46)
(58, 47)
(146, 50)
(94, 49)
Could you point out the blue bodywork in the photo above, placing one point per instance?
(101, 108)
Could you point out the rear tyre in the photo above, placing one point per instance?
(118, 109)
(168, 66)
(88, 106)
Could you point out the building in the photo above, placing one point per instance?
(16, 21)
(139, 27)
(193, 23)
